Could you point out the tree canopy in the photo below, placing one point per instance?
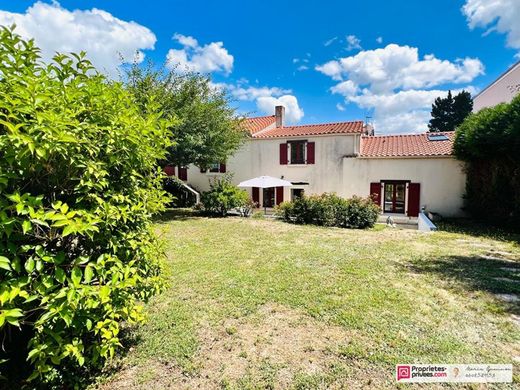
(208, 129)
(449, 112)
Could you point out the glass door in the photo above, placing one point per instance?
(269, 197)
(395, 197)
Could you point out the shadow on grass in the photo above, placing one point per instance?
(479, 229)
(176, 215)
(496, 276)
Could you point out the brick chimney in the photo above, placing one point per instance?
(279, 113)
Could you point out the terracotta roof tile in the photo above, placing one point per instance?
(410, 145)
(309, 130)
(254, 125)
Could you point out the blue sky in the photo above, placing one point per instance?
(325, 60)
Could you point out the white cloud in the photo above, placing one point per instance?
(302, 67)
(395, 66)
(104, 37)
(379, 40)
(346, 88)
(251, 93)
(209, 58)
(331, 69)
(330, 41)
(293, 112)
(353, 42)
(499, 15)
(401, 112)
(340, 107)
(186, 41)
(266, 98)
(396, 84)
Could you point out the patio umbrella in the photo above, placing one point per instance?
(265, 182)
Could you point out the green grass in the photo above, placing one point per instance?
(256, 303)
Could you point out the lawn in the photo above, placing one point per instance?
(257, 303)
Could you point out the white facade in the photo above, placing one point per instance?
(503, 90)
(442, 180)
(260, 157)
(339, 168)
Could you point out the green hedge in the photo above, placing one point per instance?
(78, 185)
(489, 143)
(330, 210)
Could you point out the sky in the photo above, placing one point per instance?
(326, 61)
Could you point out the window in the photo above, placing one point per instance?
(296, 193)
(437, 137)
(297, 153)
(214, 167)
(297, 149)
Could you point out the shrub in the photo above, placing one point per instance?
(330, 210)
(360, 213)
(78, 185)
(223, 196)
(489, 142)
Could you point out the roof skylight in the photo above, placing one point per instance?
(437, 137)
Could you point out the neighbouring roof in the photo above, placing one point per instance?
(354, 127)
(254, 125)
(410, 145)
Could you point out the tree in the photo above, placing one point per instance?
(489, 141)
(449, 112)
(208, 130)
(78, 187)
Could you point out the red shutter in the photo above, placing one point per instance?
(222, 168)
(283, 154)
(414, 199)
(183, 173)
(279, 195)
(256, 195)
(310, 152)
(169, 170)
(375, 193)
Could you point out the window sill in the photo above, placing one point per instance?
(298, 165)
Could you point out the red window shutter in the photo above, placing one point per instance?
(222, 168)
(169, 170)
(279, 195)
(375, 193)
(256, 195)
(183, 173)
(310, 152)
(414, 199)
(283, 154)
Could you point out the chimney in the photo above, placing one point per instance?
(279, 113)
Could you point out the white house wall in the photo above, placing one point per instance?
(442, 180)
(503, 90)
(259, 157)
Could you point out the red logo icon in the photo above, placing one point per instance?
(403, 372)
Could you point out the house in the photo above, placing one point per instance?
(403, 172)
(502, 90)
